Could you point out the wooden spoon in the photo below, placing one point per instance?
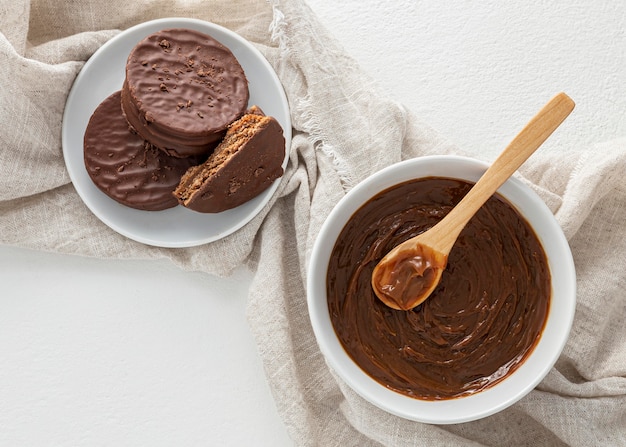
(409, 273)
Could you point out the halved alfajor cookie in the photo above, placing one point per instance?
(245, 163)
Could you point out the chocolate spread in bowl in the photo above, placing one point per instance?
(479, 324)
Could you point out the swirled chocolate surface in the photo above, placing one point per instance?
(479, 324)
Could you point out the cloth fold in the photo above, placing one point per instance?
(345, 128)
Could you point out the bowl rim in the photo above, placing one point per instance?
(519, 383)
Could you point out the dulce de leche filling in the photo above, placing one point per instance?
(479, 324)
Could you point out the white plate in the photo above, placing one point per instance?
(104, 74)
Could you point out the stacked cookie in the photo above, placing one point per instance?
(182, 113)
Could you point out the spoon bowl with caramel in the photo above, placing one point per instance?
(491, 329)
(410, 272)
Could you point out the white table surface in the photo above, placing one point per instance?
(97, 352)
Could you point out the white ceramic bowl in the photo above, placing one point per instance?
(502, 394)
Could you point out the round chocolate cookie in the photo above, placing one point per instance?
(182, 89)
(125, 166)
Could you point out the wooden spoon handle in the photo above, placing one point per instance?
(538, 129)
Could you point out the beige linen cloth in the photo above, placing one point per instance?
(344, 130)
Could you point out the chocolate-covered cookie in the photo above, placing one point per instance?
(125, 166)
(182, 89)
(244, 164)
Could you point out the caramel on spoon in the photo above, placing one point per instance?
(408, 274)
